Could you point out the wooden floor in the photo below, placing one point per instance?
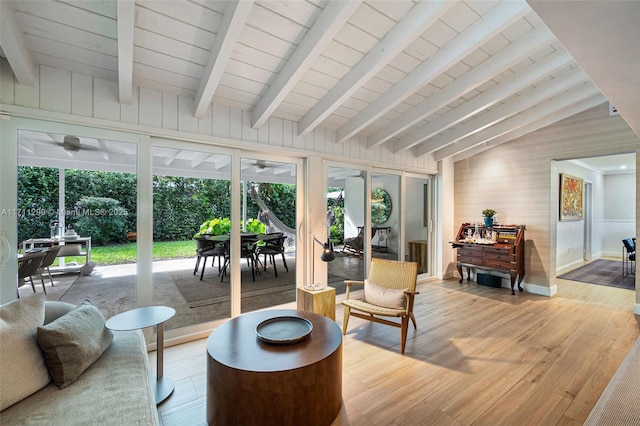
(480, 356)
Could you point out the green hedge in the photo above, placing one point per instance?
(180, 205)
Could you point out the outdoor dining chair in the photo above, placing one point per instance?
(273, 246)
(50, 256)
(204, 249)
(28, 265)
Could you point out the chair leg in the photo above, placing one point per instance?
(413, 320)
(403, 332)
(42, 281)
(32, 286)
(273, 261)
(204, 265)
(285, 262)
(197, 265)
(345, 322)
(50, 277)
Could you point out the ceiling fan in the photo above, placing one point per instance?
(72, 144)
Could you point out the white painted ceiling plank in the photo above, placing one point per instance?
(489, 25)
(560, 114)
(330, 21)
(545, 90)
(14, 48)
(417, 20)
(126, 21)
(514, 84)
(235, 16)
(549, 107)
(73, 36)
(71, 53)
(68, 15)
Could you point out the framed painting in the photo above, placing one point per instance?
(571, 197)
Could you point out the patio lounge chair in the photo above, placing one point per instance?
(355, 244)
(388, 292)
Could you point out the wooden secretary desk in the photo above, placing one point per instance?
(504, 255)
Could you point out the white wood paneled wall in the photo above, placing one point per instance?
(519, 180)
(77, 98)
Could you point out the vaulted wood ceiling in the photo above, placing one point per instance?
(447, 78)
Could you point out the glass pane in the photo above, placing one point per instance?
(417, 221)
(385, 215)
(268, 252)
(346, 220)
(191, 222)
(79, 198)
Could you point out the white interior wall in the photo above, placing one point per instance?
(619, 211)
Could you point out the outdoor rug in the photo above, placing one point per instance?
(602, 272)
(210, 290)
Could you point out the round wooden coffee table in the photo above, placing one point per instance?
(252, 382)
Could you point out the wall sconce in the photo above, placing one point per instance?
(327, 256)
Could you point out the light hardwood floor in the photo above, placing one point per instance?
(479, 356)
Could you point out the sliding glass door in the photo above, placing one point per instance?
(191, 222)
(268, 233)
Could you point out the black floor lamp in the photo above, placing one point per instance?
(326, 256)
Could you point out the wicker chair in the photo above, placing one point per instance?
(388, 292)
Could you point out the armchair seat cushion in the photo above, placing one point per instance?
(369, 308)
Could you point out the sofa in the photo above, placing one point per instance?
(59, 365)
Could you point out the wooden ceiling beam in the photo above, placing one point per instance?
(492, 23)
(558, 115)
(233, 21)
(539, 94)
(551, 107)
(126, 11)
(14, 46)
(416, 22)
(506, 88)
(514, 53)
(329, 23)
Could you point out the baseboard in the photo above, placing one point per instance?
(541, 290)
(569, 267)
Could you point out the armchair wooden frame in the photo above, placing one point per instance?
(391, 274)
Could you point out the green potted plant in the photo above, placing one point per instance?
(488, 217)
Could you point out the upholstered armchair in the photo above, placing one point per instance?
(389, 292)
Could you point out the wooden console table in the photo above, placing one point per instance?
(505, 255)
(250, 382)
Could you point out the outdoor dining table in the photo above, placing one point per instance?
(246, 237)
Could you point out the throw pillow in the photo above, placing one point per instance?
(54, 310)
(73, 342)
(22, 368)
(383, 296)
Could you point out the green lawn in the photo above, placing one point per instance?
(126, 253)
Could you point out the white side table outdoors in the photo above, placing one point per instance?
(142, 318)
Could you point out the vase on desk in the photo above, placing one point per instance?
(488, 222)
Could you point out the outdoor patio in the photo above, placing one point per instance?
(112, 288)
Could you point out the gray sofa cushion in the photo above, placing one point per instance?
(73, 342)
(115, 390)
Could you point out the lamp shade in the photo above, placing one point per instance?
(327, 252)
